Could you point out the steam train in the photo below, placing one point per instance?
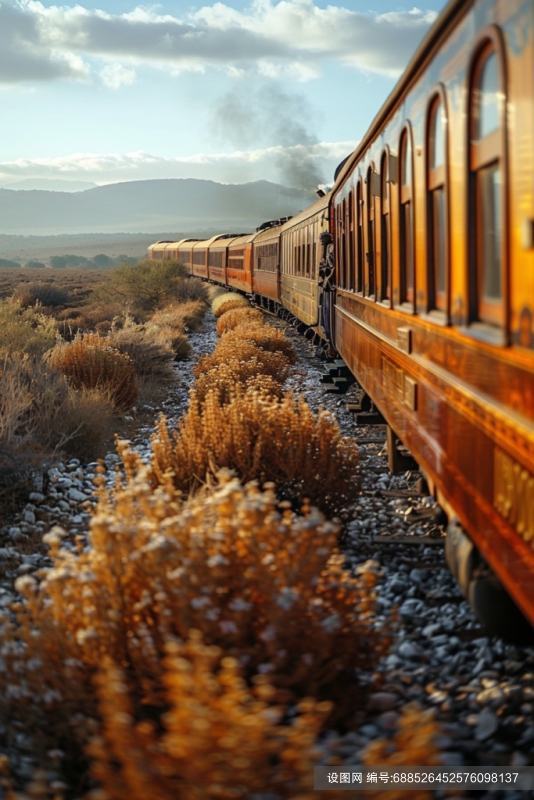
(417, 270)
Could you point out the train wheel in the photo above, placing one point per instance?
(493, 606)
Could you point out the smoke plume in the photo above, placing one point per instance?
(267, 116)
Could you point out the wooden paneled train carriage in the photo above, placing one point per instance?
(432, 223)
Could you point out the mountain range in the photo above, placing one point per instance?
(152, 205)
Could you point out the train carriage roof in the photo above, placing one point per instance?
(434, 35)
(316, 208)
(268, 234)
(239, 241)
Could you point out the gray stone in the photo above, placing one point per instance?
(409, 650)
(383, 701)
(76, 495)
(370, 731)
(37, 497)
(486, 726)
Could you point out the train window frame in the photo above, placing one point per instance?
(487, 319)
(360, 238)
(406, 195)
(370, 234)
(437, 179)
(385, 230)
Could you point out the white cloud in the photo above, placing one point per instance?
(289, 37)
(115, 75)
(237, 167)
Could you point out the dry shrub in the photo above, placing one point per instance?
(37, 292)
(224, 379)
(216, 291)
(260, 438)
(96, 316)
(219, 739)
(24, 331)
(41, 415)
(228, 301)
(260, 582)
(191, 290)
(90, 362)
(257, 581)
(230, 366)
(180, 316)
(241, 352)
(146, 285)
(172, 338)
(414, 744)
(263, 336)
(237, 317)
(151, 356)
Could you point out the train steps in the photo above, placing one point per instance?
(336, 377)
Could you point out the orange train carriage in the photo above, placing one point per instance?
(433, 221)
(432, 224)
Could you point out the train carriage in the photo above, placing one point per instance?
(433, 220)
(266, 266)
(239, 270)
(300, 256)
(157, 250)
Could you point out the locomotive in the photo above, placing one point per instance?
(417, 270)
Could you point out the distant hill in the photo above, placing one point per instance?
(149, 206)
(51, 185)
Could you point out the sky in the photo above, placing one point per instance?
(109, 91)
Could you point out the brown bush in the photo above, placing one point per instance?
(191, 290)
(216, 291)
(90, 362)
(37, 292)
(260, 438)
(226, 302)
(263, 336)
(238, 317)
(151, 356)
(180, 316)
(258, 582)
(220, 738)
(96, 316)
(224, 379)
(41, 415)
(24, 331)
(240, 352)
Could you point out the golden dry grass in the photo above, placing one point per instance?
(263, 336)
(228, 301)
(90, 362)
(180, 316)
(261, 438)
(237, 317)
(258, 582)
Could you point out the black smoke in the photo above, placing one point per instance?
(268, 116)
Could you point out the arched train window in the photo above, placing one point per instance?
(437, 204)
(359, 238)
(486, 183)
(370, 254)
(384, 230)
(406, 219)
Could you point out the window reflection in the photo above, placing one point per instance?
(488, 97)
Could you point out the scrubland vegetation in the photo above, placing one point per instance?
(73, 359)
(210, 631)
